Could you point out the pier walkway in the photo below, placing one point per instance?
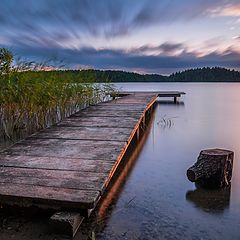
(68, 166)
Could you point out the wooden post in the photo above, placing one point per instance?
(175, 99)
(144, 121)
(138, 134)
(212, 169)
(66, 223)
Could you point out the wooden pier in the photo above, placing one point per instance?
(68, 166)
(174, 94)
(162, 94)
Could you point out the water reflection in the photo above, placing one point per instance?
(210, 200)
(171, 102)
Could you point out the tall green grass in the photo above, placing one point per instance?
(29, 104)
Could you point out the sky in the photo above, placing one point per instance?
(145, 36)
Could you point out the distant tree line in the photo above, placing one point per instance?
(206, 74)
(92, 75)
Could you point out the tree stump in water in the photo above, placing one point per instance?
(213, 168)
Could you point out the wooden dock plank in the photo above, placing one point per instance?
(54, 178)
(68, 148)
(90, 133)
(106, 113)
(56, 163)
(117, 107)
(64, 197)
(49, 173)
(107, 122)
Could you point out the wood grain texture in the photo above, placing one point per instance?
(54, 178)
(63, 148)
(86, 133)
(56, 163)
(31, 194)
(107, 122)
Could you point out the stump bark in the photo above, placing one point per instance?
(213, 168)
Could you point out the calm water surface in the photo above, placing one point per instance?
(153, 198)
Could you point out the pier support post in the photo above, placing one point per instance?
(144, 121)
(175, 99)
(138, 134)
(66, 223)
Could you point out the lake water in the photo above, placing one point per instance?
(153, 198)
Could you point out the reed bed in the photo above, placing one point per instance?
(29, 104)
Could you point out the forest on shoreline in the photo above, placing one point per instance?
(206, 74)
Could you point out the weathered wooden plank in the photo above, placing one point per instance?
(68, 148)
(133, 101)
(110, 114)
(30, 194)
(54, 178)
(91, 133)
(126, 104)
(57, 163)
(78, 184)
(116, 104)
(50, 174)
(109, 122)
(115, 107)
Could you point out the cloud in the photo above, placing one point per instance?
(171, 11)
(120, 59)
(229, 10)
(105, 18)
(97, 18)
(167, 48)
(236, 38)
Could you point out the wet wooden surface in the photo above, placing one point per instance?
(70, 164)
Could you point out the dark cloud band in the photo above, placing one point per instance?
(120, 59)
